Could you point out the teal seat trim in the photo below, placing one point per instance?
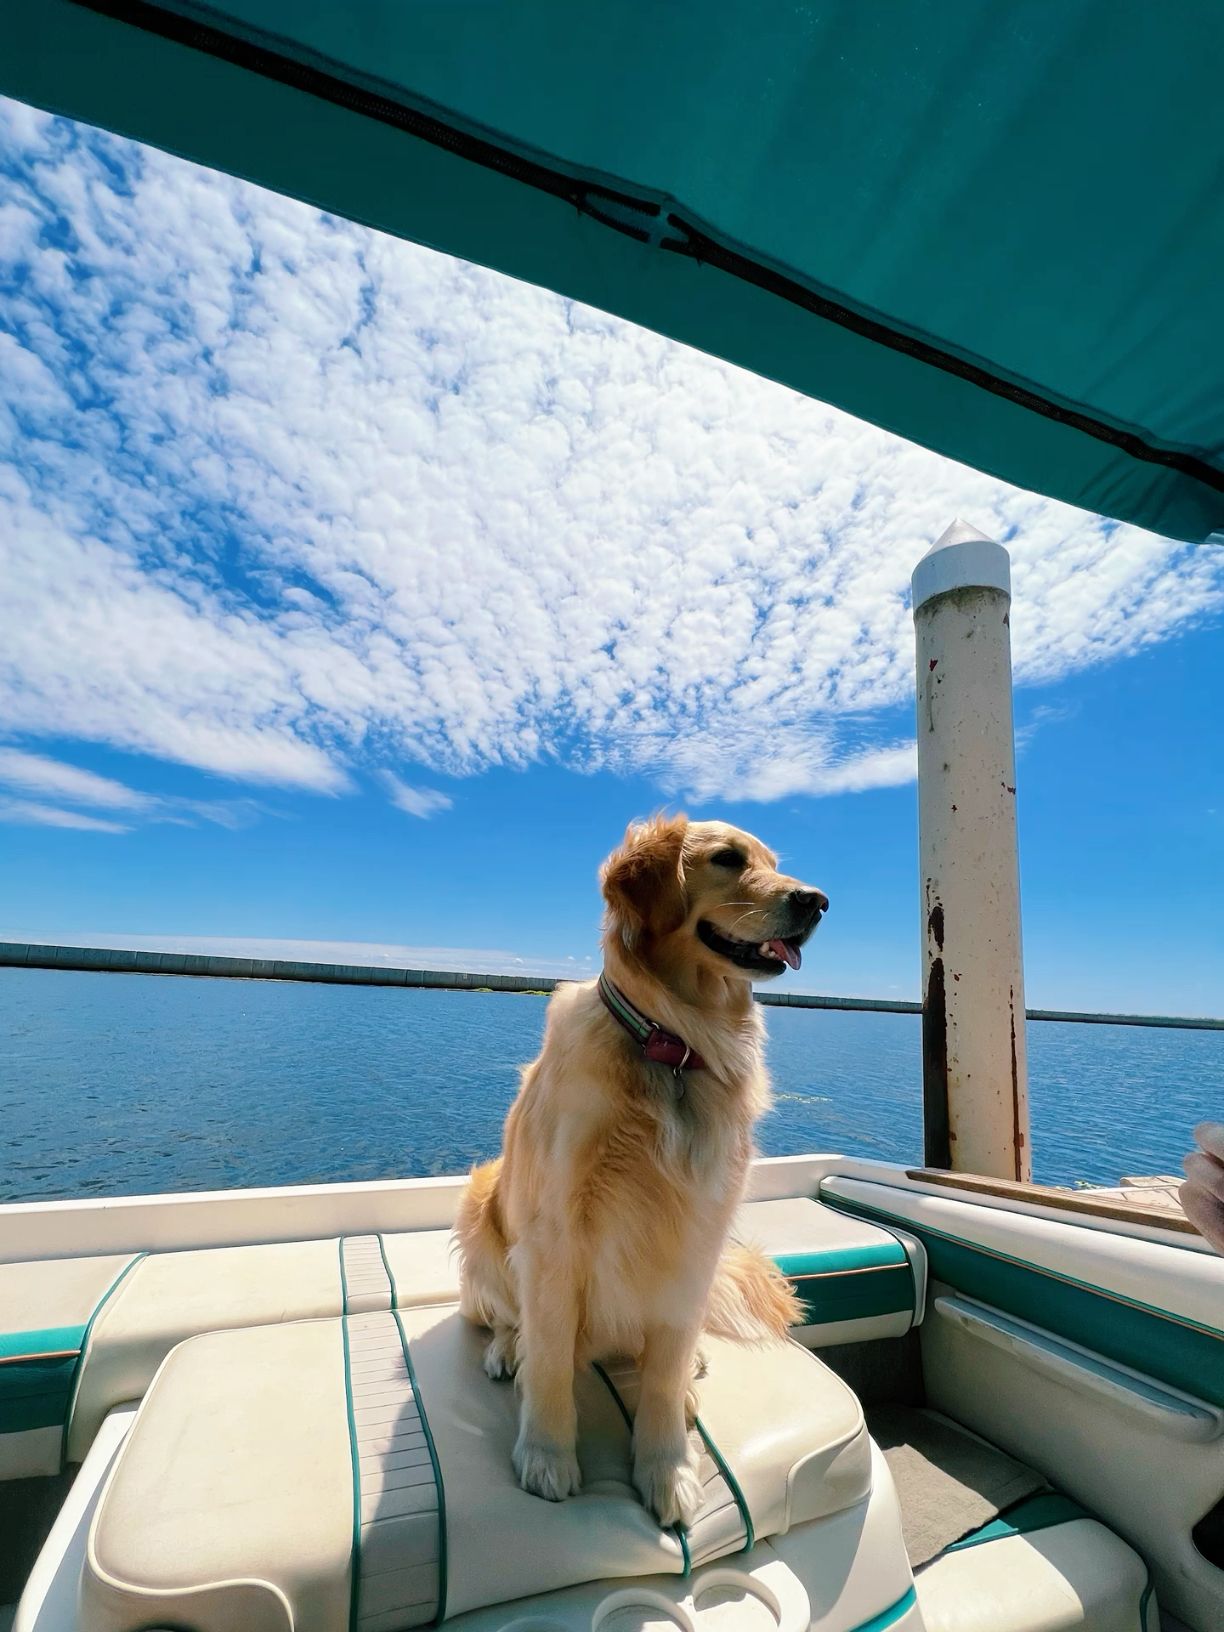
(79, 1363)
(887, 1289)
(615, 1393)
(1040, 1512)
(1145, 1603)
(50, 1342)
(440, 1615)
(355, 1464)
(382, 1252)
(678, 1530)
(732, 1484)
(891, 1615)
(344, 1308)
(682, 1538)
(851, 1283)
(36, 1375)
(1167, 1347)
(841, 1260)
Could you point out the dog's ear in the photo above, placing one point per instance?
(643, 881)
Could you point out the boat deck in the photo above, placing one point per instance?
(988, 1365)
(1155, 1195)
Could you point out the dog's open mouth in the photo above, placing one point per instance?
(764, 957)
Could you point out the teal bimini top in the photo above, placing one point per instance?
(993, 226)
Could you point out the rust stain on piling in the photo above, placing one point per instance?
(1017, 1134)
(936, 1120)
(936, 1123)
(935, 924)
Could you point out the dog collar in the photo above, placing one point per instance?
(659, 1046)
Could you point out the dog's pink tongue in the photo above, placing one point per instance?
(788, 953)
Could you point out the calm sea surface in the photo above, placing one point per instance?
(125, 1084)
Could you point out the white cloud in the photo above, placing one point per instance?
(231, 813)
(724, 761)
(322, 493)
(422, 802)
(27, 812)
(1044, 714)
(35, 773)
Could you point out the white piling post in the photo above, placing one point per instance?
(975, 1074)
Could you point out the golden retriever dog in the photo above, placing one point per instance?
(601, 1231)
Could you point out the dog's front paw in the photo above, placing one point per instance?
(669, 1487)
(547, 1470)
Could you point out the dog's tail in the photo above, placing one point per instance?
(750, 1300)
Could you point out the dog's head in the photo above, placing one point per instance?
(710, 894)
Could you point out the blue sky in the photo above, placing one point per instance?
(356, 595)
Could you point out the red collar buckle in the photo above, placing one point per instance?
(658, 1046)
(664, 1049)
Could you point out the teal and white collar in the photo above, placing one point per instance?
(659, 1047)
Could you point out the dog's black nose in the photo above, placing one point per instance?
(811, 903)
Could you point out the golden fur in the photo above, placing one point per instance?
(601, 1230)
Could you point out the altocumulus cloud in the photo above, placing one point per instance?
(274, 488)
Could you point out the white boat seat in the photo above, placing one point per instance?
(45, 1313)
(80, 1336)
(858, 1280)
(295, 1476)
(1044, 1566)
(169, 1296)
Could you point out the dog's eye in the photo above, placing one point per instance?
(727, 858)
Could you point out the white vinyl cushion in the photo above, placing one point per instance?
(424, 1265)
(45, 1309)
(849, 1271)
(1075, 1577)
(797, 1225)
(168, 1297)
(232, 1502)
(54, 1292)
(230, 1505)
(171, 1296)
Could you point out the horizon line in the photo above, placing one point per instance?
(130, 960)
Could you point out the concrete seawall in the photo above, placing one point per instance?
(110, 960)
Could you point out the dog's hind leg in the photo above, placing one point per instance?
(486, 1293)
(501, 1356)
(486, 1289)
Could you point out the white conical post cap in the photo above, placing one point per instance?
(961, 558)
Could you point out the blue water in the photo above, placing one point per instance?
(127, 1084)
